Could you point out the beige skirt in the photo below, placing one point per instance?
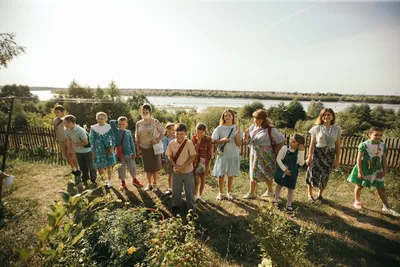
(151, 162)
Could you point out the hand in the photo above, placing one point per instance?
(380, 175)
(139, 155)
(336, 164)
(208, 170)
(308, 161)
(225, 140)
(360, 175)
(301, 148)
(94, 155)
(288, 173)
(178, 169)
(133, 157)
(154, 141)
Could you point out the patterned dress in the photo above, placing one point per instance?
(262, 158)
(371, 164)
(204, 150)
(101, 139)
(324, 155)
(229, 162)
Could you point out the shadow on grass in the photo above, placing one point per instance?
(327, 250)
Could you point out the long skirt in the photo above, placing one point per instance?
(320, 168)
(151, 162)
(262, 163)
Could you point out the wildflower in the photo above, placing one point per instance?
(131, 250)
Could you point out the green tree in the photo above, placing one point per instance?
(247, 110)
(314, 108)
(16, 90)
(113, 91)
(279, 115)
(295, 112)
(9, 49)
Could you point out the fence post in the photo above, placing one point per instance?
(3, 165)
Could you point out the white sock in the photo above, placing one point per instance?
(74, 169)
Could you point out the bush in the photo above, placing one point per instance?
(280, 239)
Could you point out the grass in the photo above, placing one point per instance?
(342, 236)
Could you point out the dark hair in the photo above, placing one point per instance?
(122, 118)
(201, 126)
(59, 108)
(70, 118)
(299, 138)
(147, 106)
(181, 127)
(322, 113)
(222, 120)
(374, 129)
(262, 115)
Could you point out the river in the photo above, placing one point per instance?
(202, 102)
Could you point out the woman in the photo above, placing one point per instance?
(228, 136)
(261, 136)
(102, 142)
(148, 132)
(324, 152)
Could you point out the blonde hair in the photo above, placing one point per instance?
(101, 113)
(222, 120)
(168, 127)
(122, 118)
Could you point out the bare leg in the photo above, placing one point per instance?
(270, 183)
(357, 192)
(221, 184)
(309, 191)
(277, 192)
(382, 195)
(320, 192)
(155, 178)
(149, 174)
(289, 197)
(202, 183)
(253, 185)
(230, 182)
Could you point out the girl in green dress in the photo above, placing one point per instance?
(371, 168)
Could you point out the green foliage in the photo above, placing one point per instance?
(304, 126)
(295, 112)
(16, 91)
(210, 116)
(314, 108)
(279, 115)
(280, 239)
(9, 49)
(247, 110)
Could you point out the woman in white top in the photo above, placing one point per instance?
(229, 138)
(324, 152)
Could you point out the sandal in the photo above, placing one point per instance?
(275, 203)
(289, 208)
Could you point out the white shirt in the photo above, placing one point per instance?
(324, 137)
(282, 154)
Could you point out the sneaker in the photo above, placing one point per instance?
(168, 192)
(250, 196)
(320, 198)
(148, 187)
(155, 188)
(122, 186)
(390, 211)
(77, 173)
(357, 205)
(136, 183)
(268, 194)
(108, 183)
(230, 196)
(219, 197)
(289, 208)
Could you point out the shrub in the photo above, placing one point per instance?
(280, 239)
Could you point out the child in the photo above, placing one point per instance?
(58, 124)
(78, 143)
(288, 159)
(181, 154)
(102, 143)
(169, 135)
(124, 140)
(371, 169)
(204, 150)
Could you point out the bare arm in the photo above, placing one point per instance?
(359, 164)
(311, 150)
(338, 150)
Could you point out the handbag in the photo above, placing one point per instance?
(220, 149)
(120, 153)
(159, 147)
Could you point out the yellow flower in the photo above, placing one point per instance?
(131, 250)
(154, 240)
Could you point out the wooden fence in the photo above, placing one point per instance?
(38, 144)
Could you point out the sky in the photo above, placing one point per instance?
(289, 46)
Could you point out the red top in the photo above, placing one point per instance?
(204, 149)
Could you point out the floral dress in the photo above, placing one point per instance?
(204, 152)
(371, 164)
(262, 158)
(102, 139)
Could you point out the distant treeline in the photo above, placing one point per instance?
(325, 97)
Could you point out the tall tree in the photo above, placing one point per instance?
(8, 49)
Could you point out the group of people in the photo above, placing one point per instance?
(188, 162)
